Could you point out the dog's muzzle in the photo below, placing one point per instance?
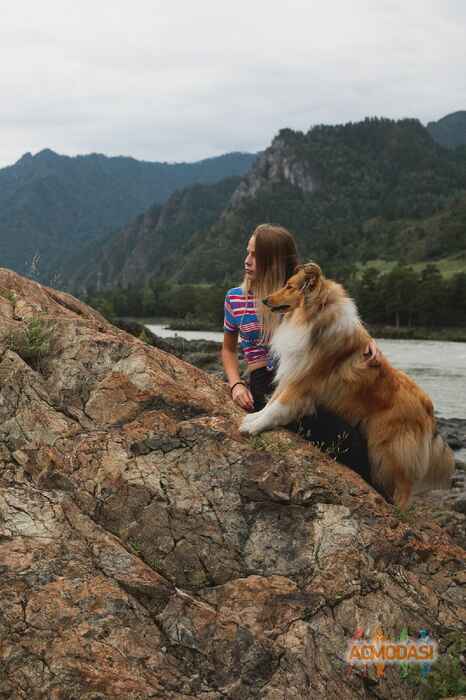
(281, 307)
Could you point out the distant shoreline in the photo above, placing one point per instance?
(391, 332)
(457, 335)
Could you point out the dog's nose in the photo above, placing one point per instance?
(265, 301)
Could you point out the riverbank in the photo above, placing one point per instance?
(377, 331)
(456, 335)
(193, 324)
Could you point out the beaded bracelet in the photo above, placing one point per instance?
(235, 384)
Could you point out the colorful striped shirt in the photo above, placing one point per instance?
(241, 317)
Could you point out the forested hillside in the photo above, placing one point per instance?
(375, 189)
(378, 189)
(51, 205)
(450, 130)
(351, 193)
(401, 297)
(142, 250)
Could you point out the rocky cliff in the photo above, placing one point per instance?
(278, 164)
(147, 550)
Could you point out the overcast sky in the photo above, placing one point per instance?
(182, 80)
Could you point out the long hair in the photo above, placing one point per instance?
(276, 260)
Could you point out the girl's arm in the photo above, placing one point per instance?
(240, 393)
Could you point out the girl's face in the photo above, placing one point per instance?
(250, 260)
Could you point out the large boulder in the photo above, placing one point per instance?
(147, 550)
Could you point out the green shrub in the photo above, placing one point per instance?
(447, 676)
(33, 342)
(9, 295)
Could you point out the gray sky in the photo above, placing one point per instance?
(183, 80)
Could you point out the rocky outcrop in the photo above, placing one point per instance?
(148, 550)
(204, 354)
(276, 165)
(453, 430)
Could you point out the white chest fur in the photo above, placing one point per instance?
(291, 346)
(292, 343)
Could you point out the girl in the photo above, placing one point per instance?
(271, 258)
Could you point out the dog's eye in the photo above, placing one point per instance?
(288, 286)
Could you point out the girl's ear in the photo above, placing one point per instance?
(312, 273)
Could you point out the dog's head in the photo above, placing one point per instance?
(298, 287)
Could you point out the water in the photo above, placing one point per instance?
(164, 332)
(439, 367)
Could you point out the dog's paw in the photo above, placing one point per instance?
(249, 425)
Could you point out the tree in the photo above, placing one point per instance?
(454, 311)
(399, 291)
(367, 295)
(431, 296)
(149, 302)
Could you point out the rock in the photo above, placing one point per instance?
(139, 330)
(204, 354)
(460, 504)
(147, 549)
(275, 165)
(453, 430)
(184, 346)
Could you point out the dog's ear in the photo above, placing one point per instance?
(312, 273)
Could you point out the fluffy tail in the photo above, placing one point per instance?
(441, 465)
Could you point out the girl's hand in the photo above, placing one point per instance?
(372, 355)
(243, 397)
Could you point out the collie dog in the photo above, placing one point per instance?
(319, 345)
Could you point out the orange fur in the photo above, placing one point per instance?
(320, 344)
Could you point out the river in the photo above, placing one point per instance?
(439, 367)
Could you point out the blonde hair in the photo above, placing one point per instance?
(276, 260)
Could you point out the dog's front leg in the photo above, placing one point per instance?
(281, 410)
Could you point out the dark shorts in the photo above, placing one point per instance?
(324, 428)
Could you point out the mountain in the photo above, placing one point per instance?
(449, 131)
(350, 193)
(51, 204)
(141, 249)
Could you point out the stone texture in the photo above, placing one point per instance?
(277, 164)
(147, 550)
(454, 431)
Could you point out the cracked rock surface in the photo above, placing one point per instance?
(147, 550)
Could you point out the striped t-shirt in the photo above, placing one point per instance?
(240, 317)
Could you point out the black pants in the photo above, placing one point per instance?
(325, 429)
